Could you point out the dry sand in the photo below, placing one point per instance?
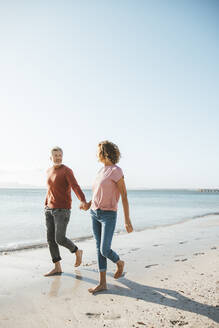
(171, 280)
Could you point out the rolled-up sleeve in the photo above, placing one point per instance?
(117, 174)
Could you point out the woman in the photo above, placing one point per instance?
(108, 187)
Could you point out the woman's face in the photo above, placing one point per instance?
(99, 156)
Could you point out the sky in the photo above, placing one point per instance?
(142, 74)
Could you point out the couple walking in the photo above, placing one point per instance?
(107, 188)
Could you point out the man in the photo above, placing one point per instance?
(60, 181)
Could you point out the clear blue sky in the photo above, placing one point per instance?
(143, 74)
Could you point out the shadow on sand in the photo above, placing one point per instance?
(162, 296)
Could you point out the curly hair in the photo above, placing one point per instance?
(108, 150)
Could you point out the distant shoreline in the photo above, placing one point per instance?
(130, 189)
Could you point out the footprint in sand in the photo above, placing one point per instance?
(181, 260)
(112, 317)
(214, 247)
(141, 323)
(156, 245)
(67, 299)
(200, 253)
(178, 322)
(150, 265)
(93, 315)
(183, 242)
(89, 264)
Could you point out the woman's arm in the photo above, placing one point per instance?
(125, 204)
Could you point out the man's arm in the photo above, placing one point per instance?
(75, 186)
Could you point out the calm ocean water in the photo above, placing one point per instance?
(22, 213)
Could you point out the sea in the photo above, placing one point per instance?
(22, 221)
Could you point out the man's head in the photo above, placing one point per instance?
(56, 156)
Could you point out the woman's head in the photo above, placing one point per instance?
(108, 151)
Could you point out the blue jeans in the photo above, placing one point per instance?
(104, 223)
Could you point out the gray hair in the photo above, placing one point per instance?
(56, 149)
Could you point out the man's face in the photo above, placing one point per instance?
(56, 157)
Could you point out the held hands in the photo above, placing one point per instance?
(85, 206)
(128, 226)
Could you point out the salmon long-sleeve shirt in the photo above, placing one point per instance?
(60, 181)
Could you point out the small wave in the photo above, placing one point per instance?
(31, 245)
(180, 221)
(206, 214)
(20, 247)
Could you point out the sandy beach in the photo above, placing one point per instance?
(171, 280)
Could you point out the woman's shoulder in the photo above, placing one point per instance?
(116, 168)
(116, 173)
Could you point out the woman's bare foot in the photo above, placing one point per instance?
(54, 272)
(78, 254)
(98, 288)
(120, 267)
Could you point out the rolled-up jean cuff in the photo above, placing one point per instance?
(102, 270)
(117, 260)
(75, 250)
(56, 259)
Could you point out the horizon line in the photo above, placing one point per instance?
(131, 188)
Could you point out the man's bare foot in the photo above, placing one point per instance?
(98, 288)
(53, 272)
(78, 254)
(120, 267)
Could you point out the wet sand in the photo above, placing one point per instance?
(171, 280)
